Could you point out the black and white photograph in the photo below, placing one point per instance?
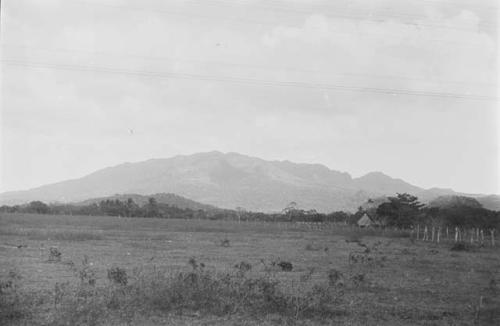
(249, 162)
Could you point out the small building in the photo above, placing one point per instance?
(366, 221)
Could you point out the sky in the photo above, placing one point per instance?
(405, 87)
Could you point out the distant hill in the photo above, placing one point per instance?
(455, 201)
(230, 180)
(169, 199)
(491, 202)
(377, 182)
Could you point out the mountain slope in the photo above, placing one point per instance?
(169, 199)
(227, 181)
(380, 183)
(455, 201)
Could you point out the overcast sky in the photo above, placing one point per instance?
(406, 87)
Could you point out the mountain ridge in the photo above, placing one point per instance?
(229, 180)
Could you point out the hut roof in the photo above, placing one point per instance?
(365, 220)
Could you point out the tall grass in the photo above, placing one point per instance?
(201, 291)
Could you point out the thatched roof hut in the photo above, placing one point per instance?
(365, 221)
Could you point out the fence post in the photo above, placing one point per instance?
(418, 231)
(492, 231)
(456, 234)
(447, 235)
(432, 240)
(439, 234)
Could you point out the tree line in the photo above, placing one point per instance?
(402, 211)
(129, 208)
(405, 211)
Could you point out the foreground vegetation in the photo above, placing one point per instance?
(81, 270)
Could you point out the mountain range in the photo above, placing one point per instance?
(230, 180)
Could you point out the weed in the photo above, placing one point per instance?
(60, 290)
(461, 246)
(311, 247)
(54, 255)
(354, 237)
(86, 272)
(285, 266)
(243, 267)
(118, 276)
(335, 278)
(12, 302)
(225, 242)
(195, 265)
(358, 279)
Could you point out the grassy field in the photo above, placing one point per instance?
(340, 275)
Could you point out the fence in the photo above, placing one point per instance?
(455, 234)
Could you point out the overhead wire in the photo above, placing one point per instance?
(242, 65)
(251, 81)
(245, 20)
(279, 7)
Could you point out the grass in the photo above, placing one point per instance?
(119, 271)
(53, 234)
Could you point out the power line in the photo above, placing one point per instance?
(280, 6)
(240, 20)
(256, 22)
(476, 4)
(249, 81)
(245, 65)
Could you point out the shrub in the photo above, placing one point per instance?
(461, 246)
(311, 247)
(86, 273)
(358, 279)
(118, 276)
(60, 290)
(54, 254)
(335, 278)
(225, 243)
(285, 266)
(243, 267)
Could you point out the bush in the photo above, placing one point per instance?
(335, 278)
(285, 266)
(243, 266)
(54, 254)
(225, 243)
(118, 276)
(461, 246)
(86, 273)
(312, 247)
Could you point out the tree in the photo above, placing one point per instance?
(290, 209)
(38, 207)
(151, 208)
(132, 209)
(338, 216)
(401, 211)
(239, 212)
